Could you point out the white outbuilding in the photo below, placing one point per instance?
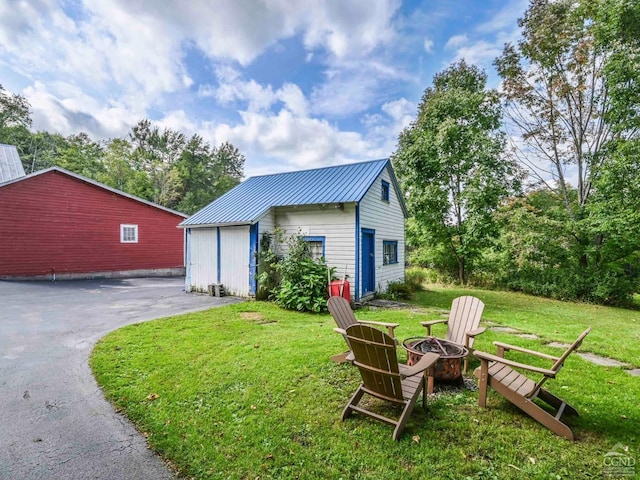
(353, 215)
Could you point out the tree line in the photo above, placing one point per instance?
(535, 186)
(164, 166)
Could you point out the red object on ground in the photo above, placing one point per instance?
(338, 286)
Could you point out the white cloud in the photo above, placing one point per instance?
(456, 41)
(479, 53)
(249, 94)
(354, 87)
(428, 45)
(133, 50)
(75, 112)
(178, 120)
(349, 29)
(294, 141)
(402, 111)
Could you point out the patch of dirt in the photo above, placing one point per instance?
(443, 388)
(256, 317)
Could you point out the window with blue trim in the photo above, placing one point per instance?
(316, 246)
(385, 191)
(389, 252)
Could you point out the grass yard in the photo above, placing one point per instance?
(247, 391)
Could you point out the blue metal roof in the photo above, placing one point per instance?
(247, 202)
(10, 164)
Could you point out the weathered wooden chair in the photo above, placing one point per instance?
(499, 373)
(383, 377)
(343, 315)
(462, 326)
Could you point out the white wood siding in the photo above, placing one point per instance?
(234, 260)
(202, 266)
(335, 224)
(266, 223)
(387, 219)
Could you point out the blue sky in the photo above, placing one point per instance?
(292, 83)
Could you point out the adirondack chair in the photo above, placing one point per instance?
(462, 326)
(383, 377)
(499, 373)
(343, 315)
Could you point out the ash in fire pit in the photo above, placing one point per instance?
(441, 347)
(449, 367)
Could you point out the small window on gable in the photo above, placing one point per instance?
(128, 233)
(385, 191)
(316, 246)
(389, 252)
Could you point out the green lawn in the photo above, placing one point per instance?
(247, 391)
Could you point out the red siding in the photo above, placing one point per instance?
(55, 221)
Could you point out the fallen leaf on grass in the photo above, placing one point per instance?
(513, 466)
(153, 396)
(532, 460)
(416, 438)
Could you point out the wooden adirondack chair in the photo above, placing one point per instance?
(497, 372)
(383, 377)
(462, 326)
(343, 315)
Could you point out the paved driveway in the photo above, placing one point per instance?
(54, 421)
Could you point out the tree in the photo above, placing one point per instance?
(207, 173)
(120, 172)
(37, 150)
(156, 153)
(572, 90)
(557, 96)
(14, 114)
(452, 167)
(81, 155)
(184, 174)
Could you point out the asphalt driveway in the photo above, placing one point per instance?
(54, 420)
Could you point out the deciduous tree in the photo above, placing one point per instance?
(452, 167)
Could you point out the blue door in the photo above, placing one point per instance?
(368, 261)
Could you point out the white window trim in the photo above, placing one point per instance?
(124, 226)
(386, 260)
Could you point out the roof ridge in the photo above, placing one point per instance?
(290, 172)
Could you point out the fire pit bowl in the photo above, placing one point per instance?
(449, 367)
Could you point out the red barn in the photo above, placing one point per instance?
(57, 224)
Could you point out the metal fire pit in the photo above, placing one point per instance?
(449, 367)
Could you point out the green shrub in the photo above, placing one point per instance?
(397, 291)
(416, 277)
(294, 281)
(268, 258)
